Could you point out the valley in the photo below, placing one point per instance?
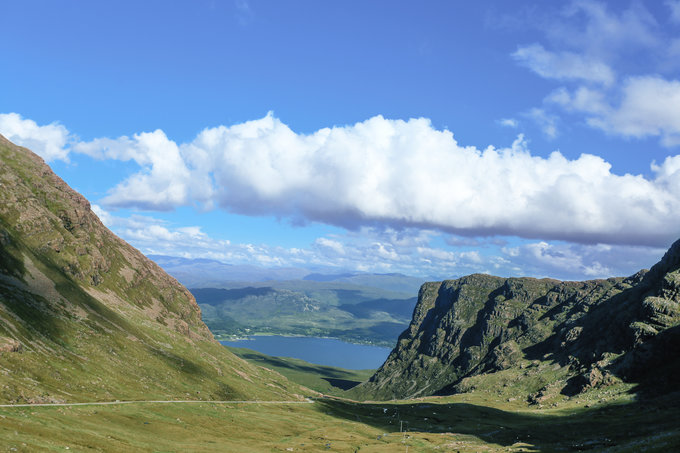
(256, 226)
(464, 423)
(485, 363)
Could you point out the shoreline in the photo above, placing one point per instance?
(269, 334)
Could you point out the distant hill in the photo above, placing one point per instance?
(341, 310)
(240, 300)
(391, 282)
(206, 273)
(538, 338)
(85, 316)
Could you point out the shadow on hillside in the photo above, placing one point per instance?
(219, 296)
(604, 329)
(576, 430)
(342, 384)
(33, 311)
(401, 308)
(651, 364)
(349, 296)
(271, 361)
(654, 365)
(101, 319)
(177, 362)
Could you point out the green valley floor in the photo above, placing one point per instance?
(469, 422)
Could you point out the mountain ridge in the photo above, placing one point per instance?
(211, 273)
(589, 333)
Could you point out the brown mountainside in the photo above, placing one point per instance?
(85, 315)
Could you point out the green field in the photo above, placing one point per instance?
(494, 415)
(465, 423)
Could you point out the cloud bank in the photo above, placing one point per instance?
(412, 251)
(397, 174)
(387, 174)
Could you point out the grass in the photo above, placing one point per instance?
(487, 418)
(465, 423)
(94, 319)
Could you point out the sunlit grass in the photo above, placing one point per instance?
(466, 423)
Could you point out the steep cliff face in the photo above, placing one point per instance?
(85, 315)
(585, 333)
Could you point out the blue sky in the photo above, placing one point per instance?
(434, 138)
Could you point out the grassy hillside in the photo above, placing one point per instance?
(84, 316)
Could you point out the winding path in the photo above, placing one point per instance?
(109, 403)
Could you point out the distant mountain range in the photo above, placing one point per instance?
(206, 273)
(326, 309)
(238, 300)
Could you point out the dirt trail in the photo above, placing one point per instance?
(108, 403)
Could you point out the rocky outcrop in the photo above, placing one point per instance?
(9, 345)
(481, 324)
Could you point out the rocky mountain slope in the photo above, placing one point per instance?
(538, 337)
(83, 315)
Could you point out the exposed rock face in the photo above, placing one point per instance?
(84, 315)
(482, 324)
(9, 345)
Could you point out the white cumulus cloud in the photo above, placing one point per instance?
(48, 141)
(166, 182)
(400, 174)
(649, 106)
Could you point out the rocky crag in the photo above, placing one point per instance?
(84, 315)
(538, 337)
